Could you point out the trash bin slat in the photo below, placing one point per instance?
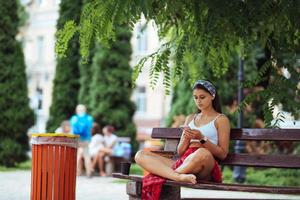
(39, 174)
(72, 174)
(44, 172)
(50, 172)
(67, 174)
(56, 172)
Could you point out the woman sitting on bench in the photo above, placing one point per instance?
(205, 137)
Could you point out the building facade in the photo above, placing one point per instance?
(38, 45)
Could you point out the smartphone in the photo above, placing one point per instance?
(185, 127)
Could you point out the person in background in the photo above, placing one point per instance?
(81, 124)
(65, 127)
(110, 140)
(96, 145)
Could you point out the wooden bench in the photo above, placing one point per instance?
(171, 189)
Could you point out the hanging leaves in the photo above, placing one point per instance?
(212, 31)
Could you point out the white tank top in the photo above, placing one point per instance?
(209, 130)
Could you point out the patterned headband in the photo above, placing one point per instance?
(208, 85)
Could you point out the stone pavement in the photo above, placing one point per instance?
(16, 186)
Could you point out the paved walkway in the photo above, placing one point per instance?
(16, 186)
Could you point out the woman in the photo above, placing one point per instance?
(109, 140)
(205, 137)
(96, 145)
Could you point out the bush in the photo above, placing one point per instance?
(16, 116)
(11, 153)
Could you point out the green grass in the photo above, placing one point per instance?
(272, 177)
(21, 166)
(136, 169)
(120, 181)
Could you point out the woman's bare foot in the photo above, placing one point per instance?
(190, 178)
(79, 173)
(102, 174)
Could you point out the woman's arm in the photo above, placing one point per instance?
(184, 140)
(115, 138)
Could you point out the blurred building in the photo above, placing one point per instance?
(38, 43)
(152, 106)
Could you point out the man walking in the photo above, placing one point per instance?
(81, 124)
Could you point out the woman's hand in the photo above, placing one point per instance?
(185, 134)
(189, 133)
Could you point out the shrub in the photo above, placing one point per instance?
(11, 152)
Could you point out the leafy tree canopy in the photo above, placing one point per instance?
(212, 31)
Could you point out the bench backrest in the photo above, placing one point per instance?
(172, 136)
(124, 139)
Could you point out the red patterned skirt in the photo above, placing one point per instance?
(152, 183)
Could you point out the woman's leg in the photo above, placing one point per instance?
(87, 160)
(161, 166)
(201, 162)
(94, 161)
(100, 156)
(79, 161)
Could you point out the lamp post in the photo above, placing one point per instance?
(239, 172)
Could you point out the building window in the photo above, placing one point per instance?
(57, 2)
(40, 98)
(41, 2)
(142, 39)
(40, 49)
(140, 99)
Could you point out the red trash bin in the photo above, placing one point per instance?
(53, 172)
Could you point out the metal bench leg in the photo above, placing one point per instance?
(109, 167)
(134, 190)
(170, 193)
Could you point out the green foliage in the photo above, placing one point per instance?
(213, 31)
(136, 169)
(66, 81)
(11, 152)
(182, 101)
(26, 165)
(16, 116)
(86, 75)
(62, 44)
(111, 88)
(22, 14)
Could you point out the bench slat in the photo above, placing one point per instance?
(238, 134)
(221, 186)
(276, 161)
(238, 187)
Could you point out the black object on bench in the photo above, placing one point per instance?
(171, 189)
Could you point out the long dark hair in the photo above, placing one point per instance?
(215, 103)
(96, 129)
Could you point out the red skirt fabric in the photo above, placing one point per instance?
(152, 183)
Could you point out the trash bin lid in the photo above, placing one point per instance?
(55, 139)
(54, 135)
